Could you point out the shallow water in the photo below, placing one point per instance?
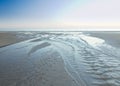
(89, 61)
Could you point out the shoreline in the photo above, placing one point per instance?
(12, 37)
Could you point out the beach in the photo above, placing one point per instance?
(7, 38)
(12, 37)
(59, 59)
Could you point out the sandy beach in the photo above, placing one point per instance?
(58, 59)
(12, 37)
(7, 38)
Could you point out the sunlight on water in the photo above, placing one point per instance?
(92, 40)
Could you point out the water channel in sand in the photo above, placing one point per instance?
(87, 60)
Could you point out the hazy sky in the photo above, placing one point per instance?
(59, 13)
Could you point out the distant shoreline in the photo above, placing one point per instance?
(10, 37)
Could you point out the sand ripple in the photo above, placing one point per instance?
(59, 60)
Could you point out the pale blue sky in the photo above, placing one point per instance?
(59, 13)
(31, 9)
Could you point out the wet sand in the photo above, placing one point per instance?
(45, 69)
(57, 60)
(42, 70)
(8, 38)
(12, 37)
(112, 38)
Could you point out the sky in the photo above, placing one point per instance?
(44, 14)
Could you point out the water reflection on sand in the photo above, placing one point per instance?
(60, 59)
